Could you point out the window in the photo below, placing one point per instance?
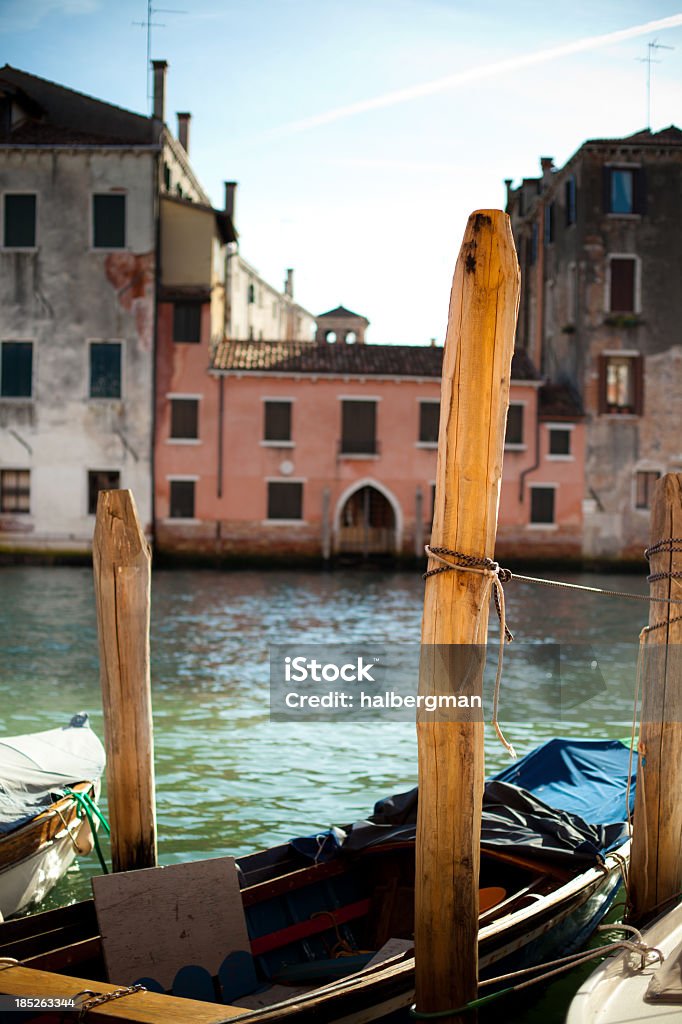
(187, 322)
(105, 369)
(570, 201)
(277, 425)
(250, 294)
(624, 190)
(429, 417)
(166, 177)
(182, 499)
(514, 434)
(559, 441)
(549, 224)
(358, 428)
(185, 419)
(285, 500)
(622, 284)
(542, 505)
(19, 222)
(101, 480)
(109, 221)
(645, 482)
(16, 369)
(15, 491)
(533, 248)
(621, 384)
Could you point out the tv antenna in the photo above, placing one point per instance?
(649, 60)
(149, 24)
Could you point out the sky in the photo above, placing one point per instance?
(364, 132)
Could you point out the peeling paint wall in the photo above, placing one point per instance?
(61, 296)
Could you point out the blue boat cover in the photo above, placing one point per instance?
(564, 801)
(35, 768)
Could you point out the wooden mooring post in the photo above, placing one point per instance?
(474, 399)
(656, 867)
(122, 567)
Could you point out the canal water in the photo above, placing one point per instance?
(229, 779)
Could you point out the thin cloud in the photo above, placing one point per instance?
(22, 16)
(413, 92)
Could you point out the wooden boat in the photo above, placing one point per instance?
(315, 926)
(41, 830)
(626, 988)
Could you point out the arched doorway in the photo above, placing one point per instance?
(366, 524)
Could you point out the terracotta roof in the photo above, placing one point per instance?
(295, 357)
(341, 311)
(558, 402)
(671, 134)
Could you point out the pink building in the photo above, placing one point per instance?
(328, 449)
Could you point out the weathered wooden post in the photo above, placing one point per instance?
(656, 868)
(121, 561)
(474, 399)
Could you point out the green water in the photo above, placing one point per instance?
(228, 779)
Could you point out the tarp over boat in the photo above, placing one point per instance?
(563, 801)
(37, 766)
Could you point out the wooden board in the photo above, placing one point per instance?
(157, 920)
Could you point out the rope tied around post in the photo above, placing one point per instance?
(496, 576)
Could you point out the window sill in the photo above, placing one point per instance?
(283, 522)
(516, 447)
(20, 248)
(183, 440)
(366, 456)
(182, 521)
(103, 399)
(561, 458)
(110, 248)
(16, 398)
(277, 444)
(542, 526)
(621, 415)
(624, 216)
(428, 445)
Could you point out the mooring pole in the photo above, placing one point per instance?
(474, 399)
(122, 567)
(656, 868)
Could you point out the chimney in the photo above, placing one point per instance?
(230, 199)
(547, 165)
(289, 283)
(160, 67)
(183, 130)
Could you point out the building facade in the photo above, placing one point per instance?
(600, 246)
(328, 450)
(80, 182)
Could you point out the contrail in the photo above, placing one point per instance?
(390, 99)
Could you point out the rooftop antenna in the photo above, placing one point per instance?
(149, 24)
(649, 60)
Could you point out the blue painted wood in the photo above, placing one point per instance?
(237, 976)
(193, 982)
(151, 984)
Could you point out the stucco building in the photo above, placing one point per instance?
(80, 182)
(328, 450)
(600, 246)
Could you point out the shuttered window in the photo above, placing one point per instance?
(16, 369)
(624, 190)
(514, 434)
(15, 491)
(429, 417)
(645, 481)
(187, 322)
(105, 369)
(622, 291)
(109, 221)
(285, 500)
(101, 480)
(542, 505)
(182, 499)
(621, 384)
(19, 221)
(277, 421)
(358, 428)
(185, 419)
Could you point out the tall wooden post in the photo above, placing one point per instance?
(122, 561)
(656, 868)
(474, 399)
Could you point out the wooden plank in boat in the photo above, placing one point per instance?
(261, 891)
(139, 1007)
(156, 920)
